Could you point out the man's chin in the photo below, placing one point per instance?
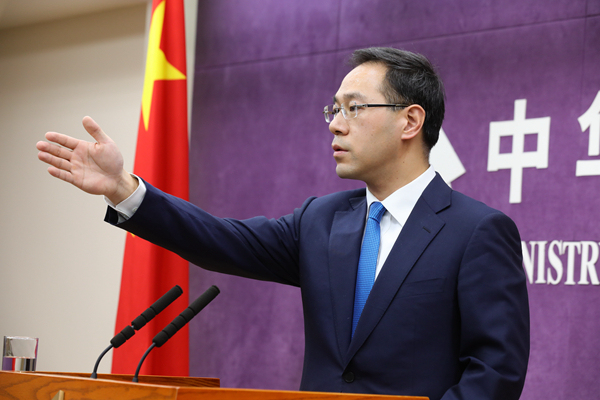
(345, 173)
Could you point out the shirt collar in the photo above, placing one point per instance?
(401, 203)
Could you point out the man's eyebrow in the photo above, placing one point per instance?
(351, 96)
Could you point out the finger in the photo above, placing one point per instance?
(64, 140)
(41, 145)
(95, 131)
(61, 174)
(55, 150)
(56, 162)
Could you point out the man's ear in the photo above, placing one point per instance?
(415, 117)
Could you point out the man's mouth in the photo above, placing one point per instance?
(337, 149)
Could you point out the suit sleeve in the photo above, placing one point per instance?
(258, 248)
(494, 314)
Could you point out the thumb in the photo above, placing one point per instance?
(95, 131)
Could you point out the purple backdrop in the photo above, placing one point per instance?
(260, 146)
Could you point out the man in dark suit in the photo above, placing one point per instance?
(425, 296)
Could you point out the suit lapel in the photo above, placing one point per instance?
(344, 250)
(420, 229)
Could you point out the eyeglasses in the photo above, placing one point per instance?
(332, 110)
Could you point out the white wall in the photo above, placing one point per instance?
(60, 264)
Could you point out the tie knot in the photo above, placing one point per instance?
(376, 211)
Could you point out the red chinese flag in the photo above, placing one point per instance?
(162, 160)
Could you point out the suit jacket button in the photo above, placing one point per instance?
(348, 376)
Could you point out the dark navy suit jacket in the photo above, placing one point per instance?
(448, 314)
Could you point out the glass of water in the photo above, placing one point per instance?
(19, 354)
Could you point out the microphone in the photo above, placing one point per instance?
(146, 316)
(179, 322)
(186, 315)
(138, 323)
(157, 307)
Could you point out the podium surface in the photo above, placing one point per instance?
(49, 386)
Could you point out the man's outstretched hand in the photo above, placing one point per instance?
(95, 168)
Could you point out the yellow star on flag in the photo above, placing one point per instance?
(157, 66)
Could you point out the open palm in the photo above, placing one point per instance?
(95, 168)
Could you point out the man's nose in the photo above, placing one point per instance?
(338, 125)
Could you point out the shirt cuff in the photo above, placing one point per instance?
(129, 206)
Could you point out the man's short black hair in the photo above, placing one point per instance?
(410, 79)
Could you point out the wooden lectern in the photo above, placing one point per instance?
(66, 386)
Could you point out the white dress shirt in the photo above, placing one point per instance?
(398, 207)
(129, 206)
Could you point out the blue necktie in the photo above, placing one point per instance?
(367, 263)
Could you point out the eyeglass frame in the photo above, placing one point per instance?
(345, 113)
